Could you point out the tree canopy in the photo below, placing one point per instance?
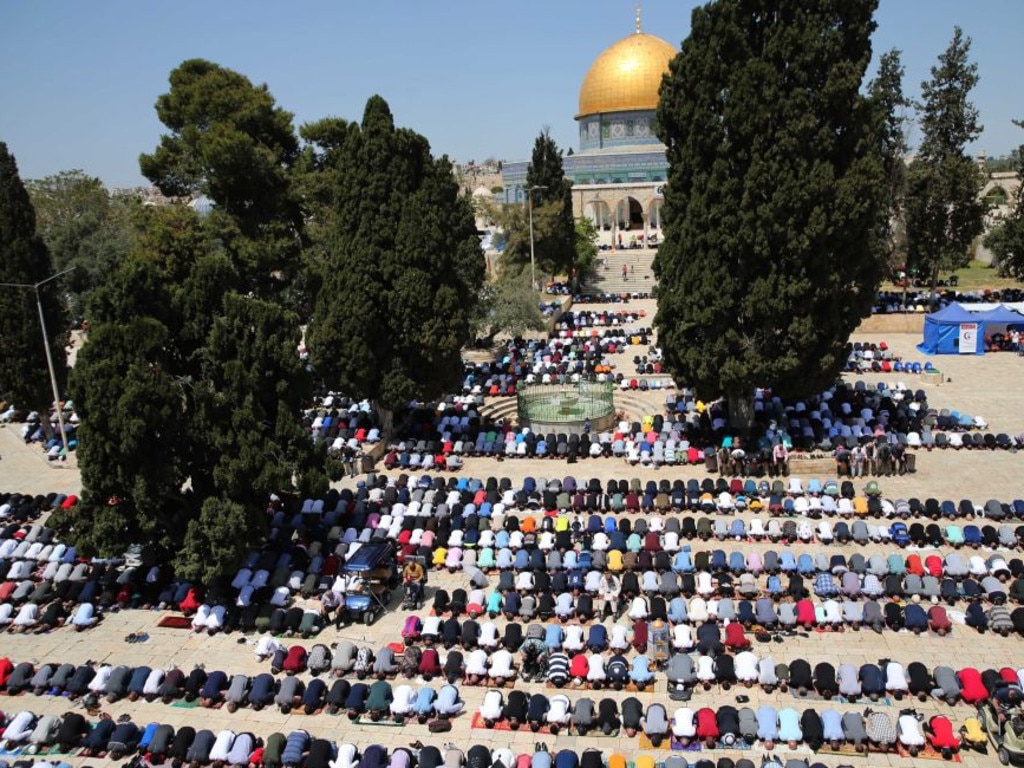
(83, 227)
(771, 251)
(1006, 239)
(190, 388)
(548, 186)
(230, 141)
(944, 214)
(403, 270)
(24, 259)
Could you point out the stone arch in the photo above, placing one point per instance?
(599, 214)
(654, 213)
(629, 214)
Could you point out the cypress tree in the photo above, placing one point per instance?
(24, 259)
(403, 271)
(770, 256)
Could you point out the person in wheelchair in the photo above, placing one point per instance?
(413, 577)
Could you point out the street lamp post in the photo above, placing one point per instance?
(529, 206)
(46, 346)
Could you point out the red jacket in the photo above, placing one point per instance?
(972, 688)
(579, 666)
(938, 619)
(941, 733)
(805, 612)
(735, 637)
(295, 661)
(707, 724)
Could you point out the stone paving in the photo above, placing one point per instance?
(985, 386)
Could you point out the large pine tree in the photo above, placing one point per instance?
(404, 269)
(24, 376)
(772, 210)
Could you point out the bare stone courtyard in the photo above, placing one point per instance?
(988, 386)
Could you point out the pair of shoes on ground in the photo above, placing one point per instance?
(132, 637)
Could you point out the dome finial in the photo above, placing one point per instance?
(637, 19)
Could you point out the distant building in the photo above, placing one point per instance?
(620, 169)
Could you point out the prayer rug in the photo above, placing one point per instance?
(646, 743)
(502, 725)
(397, 648)
(384, 721)
(186, 704)
(928, 753)
(845, 749)
(175, 622)
(16, 752)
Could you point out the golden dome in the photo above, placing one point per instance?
(626, 76)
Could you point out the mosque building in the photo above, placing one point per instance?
(620, 169)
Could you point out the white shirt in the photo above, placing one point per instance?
(620, 638)
(746, 666)
(403, 700)
(476, 663)
(705, 669)
(595, 667)
(573, 638)
(488, 635)
(501, 664)
(222, 746)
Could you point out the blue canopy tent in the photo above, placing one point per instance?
(942, 331)
(998, 321)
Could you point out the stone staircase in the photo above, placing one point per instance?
(608, 278)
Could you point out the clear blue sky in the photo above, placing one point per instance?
(478, 79)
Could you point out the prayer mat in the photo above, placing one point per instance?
(884, 701)
(186, 704)
(693, 746)
(846, 750)
(646, 743)
(175, 622)
(738, 744)
(16, 752)
(397, 648)
(587, 686)
(502, 725)
(928, 752)
(384, 721)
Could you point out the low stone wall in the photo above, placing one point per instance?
(597, 424)
(910, 322)
(801, 466)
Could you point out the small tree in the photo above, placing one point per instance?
(508, 306)
(1006, 239)
(944, 213)
(556, 247)
(886, 92)
(24, 376)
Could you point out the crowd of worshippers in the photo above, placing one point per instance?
(284, 687)
(590, 297)
(891, 302)
(871, 357)
(567, 357)
(725, 726)
(48, 436)
(44, 584)
(470, 524)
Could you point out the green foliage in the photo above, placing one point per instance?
(219, 534)
(944, 214)
(24, 376)
(403, 269)
(190, 387)
(513, 220)
(229, 141)
(774, 198)
(83, 227)
(555, 245)
(508, 306)
(586, 245)
(1006, 239)
(886, 93)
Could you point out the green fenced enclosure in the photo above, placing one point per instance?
(566, 404)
